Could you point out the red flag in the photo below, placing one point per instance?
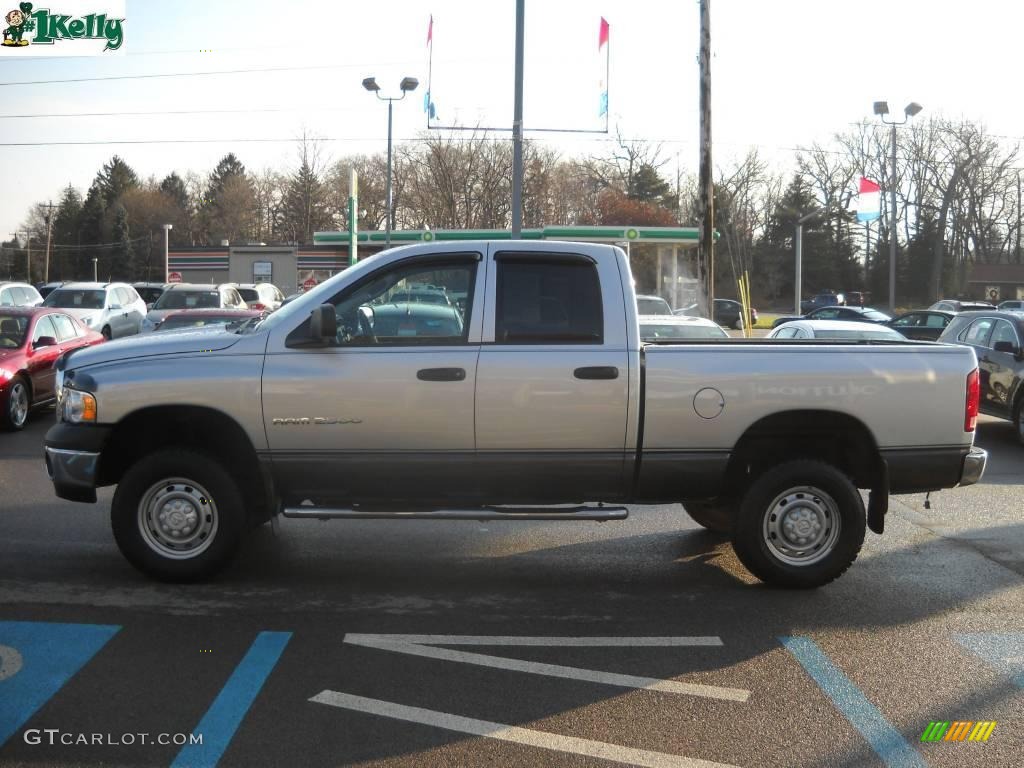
(602, 35)
(867, 186)
(430, 30)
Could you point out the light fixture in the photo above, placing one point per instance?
(370, 84)
(881, 107)
(912, 109)
(411, 83)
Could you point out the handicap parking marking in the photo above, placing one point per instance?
(887, 742)
(36, 659)
(425, 646)
(1005, 652)
(221, 721)
(514, 734)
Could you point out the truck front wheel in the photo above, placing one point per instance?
(177, 516)
(800, 525)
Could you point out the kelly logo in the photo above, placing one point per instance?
(959, 730)
(89, 30)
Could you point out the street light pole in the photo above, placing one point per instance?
(799, 279)
(167, 251)
(517, 127)
(881, 109)
(408, 84)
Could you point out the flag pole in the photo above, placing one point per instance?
(607, 75)
(430, 68)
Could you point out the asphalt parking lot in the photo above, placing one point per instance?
(514, 644)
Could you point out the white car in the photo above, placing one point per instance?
(113, 309)
(261, 296)
(180, 296)
(654, 328)
(19, 295)
(835, 330)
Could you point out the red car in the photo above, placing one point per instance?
(31, 340)
(199, 318)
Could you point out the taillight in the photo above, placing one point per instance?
(257, 305)
(971, 406)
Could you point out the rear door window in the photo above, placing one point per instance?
(541, 301)
(1003, 331)
(66, 330)
(937, 321)
(978, 332)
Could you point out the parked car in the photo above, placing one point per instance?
(652, 305)
(193, 296)
(31, 340)
(113, 309)
(150, 292)
(261, 296)
(835, 330)
(827, 299)
(339, 406)
(730, 313)
(45, 289)
(854, 314)
(1012, 305)
(655, 328)
(922, 324)
(19, 295)
(961, 305)
(857, 298)
(996, 337)
(204, 318)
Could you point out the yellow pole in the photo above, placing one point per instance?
(743, 306)
(750, 312)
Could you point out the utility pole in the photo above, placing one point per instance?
(706, 252)
(49, 232)
(517, 127)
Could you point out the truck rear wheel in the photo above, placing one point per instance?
(800, 525)
(177, 516)
(715, 516)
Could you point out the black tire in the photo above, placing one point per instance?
(738, 325)
(813, 541)
(106, 333)
(1018, 420)
(16, 405)
(190, 489)
(715, 516)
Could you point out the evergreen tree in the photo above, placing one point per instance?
(228, 166)
(173, 187)
(93, 213)
(306, 203)
(230, 205)
(114, 179)
(122, 254)
(647, 186)
(67, 231)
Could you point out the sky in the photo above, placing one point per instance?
(785, 74)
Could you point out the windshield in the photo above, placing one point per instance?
(149, 295)
(12, 331)
(653, 307)
(189, 300)
(67, 298)
(248, 295)
(651, 332)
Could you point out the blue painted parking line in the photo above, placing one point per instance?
(39, 657)
(222, 719)
(888, 743)
(1005, 652)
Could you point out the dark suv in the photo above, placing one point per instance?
(996, 337)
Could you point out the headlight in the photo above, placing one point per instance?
(76, 407)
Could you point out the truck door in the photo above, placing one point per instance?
(386, 411)
(552, 382)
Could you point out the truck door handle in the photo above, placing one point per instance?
(441, 374)
(597, 372)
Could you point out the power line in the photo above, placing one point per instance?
(248, 110)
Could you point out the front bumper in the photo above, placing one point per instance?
(974, 466)
(72, 454)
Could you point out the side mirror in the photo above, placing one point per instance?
(115, 307)
(323, 324)
(1006, 346)
(44, 341)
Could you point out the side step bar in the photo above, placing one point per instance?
(599, 514)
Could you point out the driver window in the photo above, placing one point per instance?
(44, 328)
(424, 304)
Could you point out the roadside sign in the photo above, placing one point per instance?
(174, 277)
(309, 284)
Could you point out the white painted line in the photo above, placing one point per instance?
(552, 670)
(527, 640)
(510, 733)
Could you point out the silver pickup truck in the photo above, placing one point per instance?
(503, 380)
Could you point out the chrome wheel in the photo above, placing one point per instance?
(801, 526)
(17, 404)
(177, 518)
